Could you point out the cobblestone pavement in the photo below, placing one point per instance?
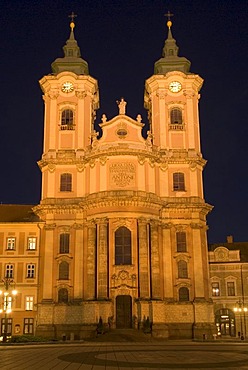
(123, 356)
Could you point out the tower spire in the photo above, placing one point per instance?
(170, 60)
(72, 60)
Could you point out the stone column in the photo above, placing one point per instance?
(91, 262)
(167, 261)
(78, 274)
(199, 269)
(48, 261)
(143, 248)
(102, 258)
(155, 268)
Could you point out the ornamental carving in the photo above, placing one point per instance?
(80, 167)
(80, 94)
(122, 174)
(51, 167)
(53, 94)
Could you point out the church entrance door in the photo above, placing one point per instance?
(123, 312)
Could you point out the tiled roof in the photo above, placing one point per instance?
(17, 213)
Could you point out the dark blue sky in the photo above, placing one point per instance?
(121, 40)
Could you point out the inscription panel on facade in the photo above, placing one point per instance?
(122, 174)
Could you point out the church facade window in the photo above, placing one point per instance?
(181, 241)
(182, 269)
(63, 296)
(64, 243)
(183, 294)
(123, 246)
(64, 271)
(178, 181)
(66, 182)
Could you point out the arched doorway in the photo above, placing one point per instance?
(123, 312)
(225, 322)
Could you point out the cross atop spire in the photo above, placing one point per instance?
(72, 16)
(169, 15)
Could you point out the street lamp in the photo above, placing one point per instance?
(6, 305)
(241, 309)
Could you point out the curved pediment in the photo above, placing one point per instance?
(122, 130)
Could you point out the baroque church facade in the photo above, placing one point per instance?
(120, 231)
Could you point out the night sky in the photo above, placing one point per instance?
(121, 40)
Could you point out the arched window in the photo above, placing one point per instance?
(67, 119)
(63, 271)
(176, 116)
(63, 295)
(182, 269)
(183, 294)
(123, 246)
(64, 243)
(178, 181)
(66, 182)
(181, 241)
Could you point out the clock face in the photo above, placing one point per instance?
(175, 86)
(67, 87)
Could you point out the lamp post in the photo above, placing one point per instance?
(241, 309)
(7, 293)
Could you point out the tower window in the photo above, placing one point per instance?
(63, 271)
(176, 116)
(181, 241)
(123, 246)
(63, 295)
(182, 269)
(183, 294)
(64, 243)
(66, 182)
(67, 120)
(178, 181)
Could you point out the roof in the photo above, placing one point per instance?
(241, 246)
(17, 213)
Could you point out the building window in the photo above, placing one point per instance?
(176, 116)
(11, 243)
(29, 303)
(28, 326)
(66, 182)
(178, 181)
(67, 120)
(183, 294)
(63, 295)
(9, 326)
(230, 288)
(30, 270)
(64, 243)
(123, 246)
(215, 289)
(31, 243)
(7, 303)
(63, 271)
(182, 269)
(181, 241)
(9, 272)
